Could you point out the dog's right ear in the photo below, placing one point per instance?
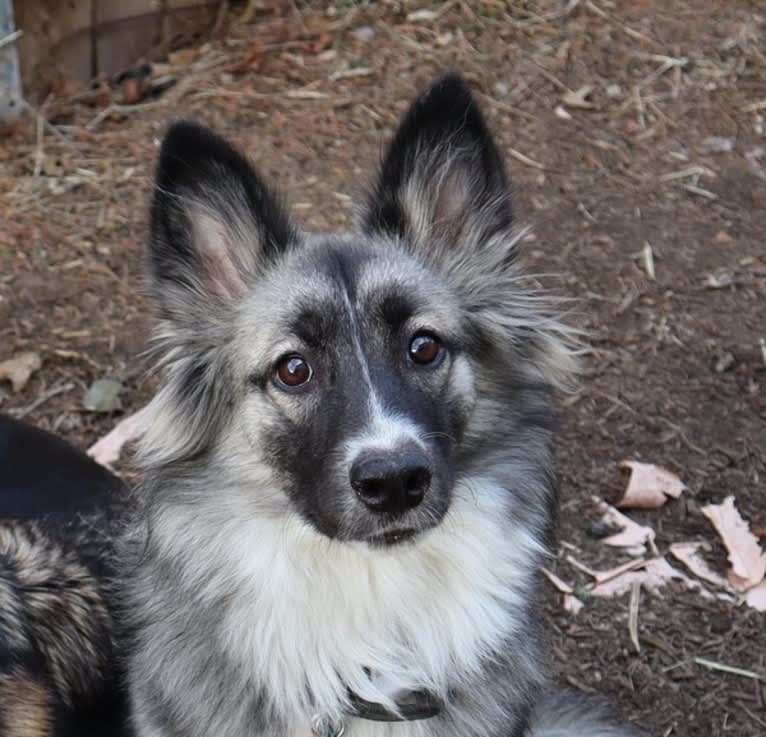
(214, 223)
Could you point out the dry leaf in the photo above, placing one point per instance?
(688, 554)
(572, 604)
(654, 574)
(748, 561)
(106, 451)
(560, 584)
(250, 62)
(649, 486)
(19, 369)
(183, 57)
(756, 597)
(633, 538)
(723, 237)
(578, 98)
(321, 44)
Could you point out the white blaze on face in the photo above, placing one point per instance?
(385, 430)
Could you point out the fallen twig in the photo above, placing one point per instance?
(21, 412)
(635, 596)
(713, 665)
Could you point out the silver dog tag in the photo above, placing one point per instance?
(321, 727)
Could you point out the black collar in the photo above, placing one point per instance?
(412, 706)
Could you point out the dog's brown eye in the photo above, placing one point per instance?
(425, 349)
(293, 370)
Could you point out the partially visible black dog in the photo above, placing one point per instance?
(58, 672)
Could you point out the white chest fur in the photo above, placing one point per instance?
(307, 618)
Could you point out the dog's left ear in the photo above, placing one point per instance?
(442, 184)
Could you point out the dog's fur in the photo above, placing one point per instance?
(260, 590)
(58, 522)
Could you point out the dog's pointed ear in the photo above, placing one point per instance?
(442, 182)
(214, 223)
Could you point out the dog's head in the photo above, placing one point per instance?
(351, 379)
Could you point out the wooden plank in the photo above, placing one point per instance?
(108, 11)
(10, 74)
(185, 19)
(56, 42)
(81, 39)
(125, 32)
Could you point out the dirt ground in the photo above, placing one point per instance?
(663, 151)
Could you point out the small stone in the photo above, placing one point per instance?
(614, 91)
(599, 529)
(718, 144)
(423, 15)
(68, 422)
(103, 395)
(720, 281)
(756, 158)
(364, 33)
(501, 89)
(725, 362)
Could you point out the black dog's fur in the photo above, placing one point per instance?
(58, 517)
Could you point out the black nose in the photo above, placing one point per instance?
(391, 481)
